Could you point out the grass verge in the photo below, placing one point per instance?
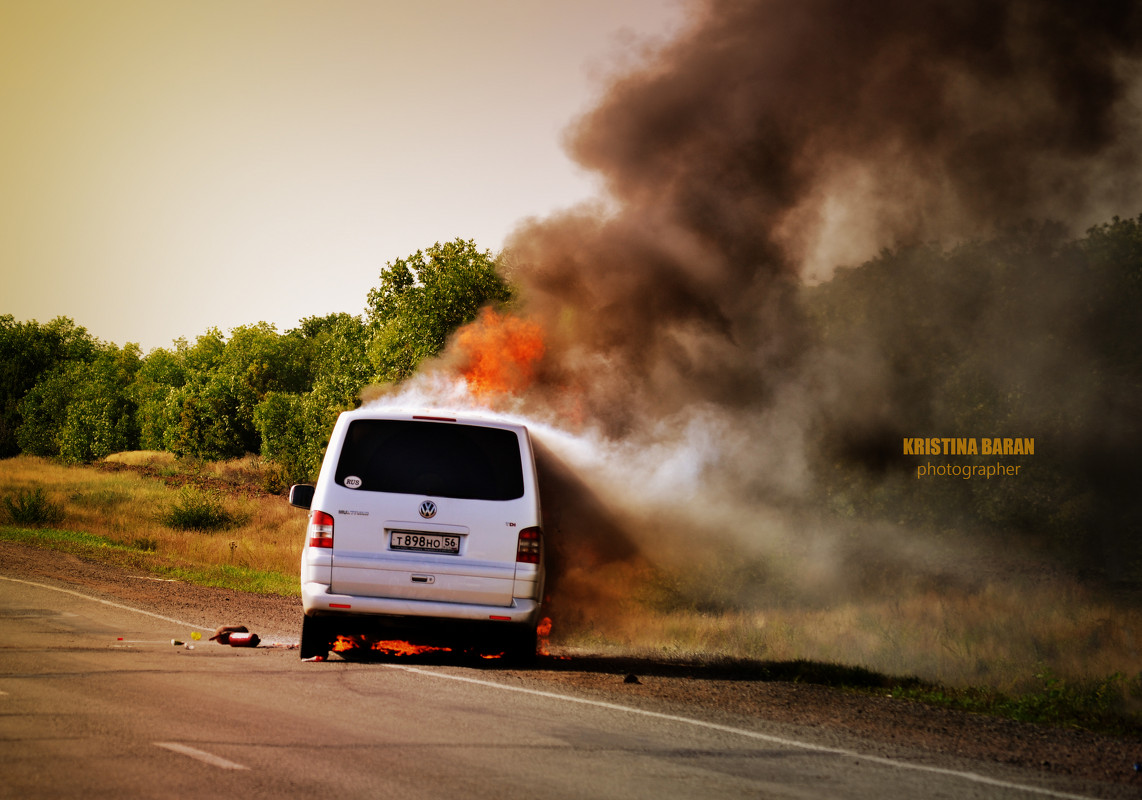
(138, 556)
(1091, 704)
(1094, 704)
(163, 523)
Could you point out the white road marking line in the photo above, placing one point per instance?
(765, 737)
(201, 755)
(183, 623)
(104, 602)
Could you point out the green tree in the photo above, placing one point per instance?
(81, 411)
(166, 392)
(422, 299)
(43, 409)
(28, 351)
(159, 375)
(208, 426)
(294, 430)
(100, 418)
(338, 349)
(294, 426)
(200, 401)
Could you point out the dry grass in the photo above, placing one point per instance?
(1012, 635)
(1002, 637)
(144, 458)
(127, 508)
(250, 470)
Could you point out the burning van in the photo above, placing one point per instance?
(427, 522)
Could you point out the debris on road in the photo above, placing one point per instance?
(223, 632)
(243, 639)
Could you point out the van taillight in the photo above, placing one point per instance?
(320, 529)
(530, 546)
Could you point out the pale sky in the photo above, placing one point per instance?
(168, 166)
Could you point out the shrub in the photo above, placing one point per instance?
(32, 507)
(274, 479)
(294, 429)
(196, 510)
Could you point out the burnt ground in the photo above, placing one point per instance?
(723, 690)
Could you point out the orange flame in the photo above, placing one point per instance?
(499, 353)
(543, 631)
(392, 647)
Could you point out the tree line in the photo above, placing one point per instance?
(67, 395)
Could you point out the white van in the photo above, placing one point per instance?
(423, 520)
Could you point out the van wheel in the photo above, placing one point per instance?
(520, 647)
(315, 638)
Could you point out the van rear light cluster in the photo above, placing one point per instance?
(320, 531)
(530, 546)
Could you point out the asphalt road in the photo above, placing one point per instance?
(95, 702)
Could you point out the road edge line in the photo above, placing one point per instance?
(200, 755)
(104, 602)
(766, 737)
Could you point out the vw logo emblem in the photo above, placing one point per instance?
(428, 509)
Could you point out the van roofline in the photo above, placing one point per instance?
(433, 415)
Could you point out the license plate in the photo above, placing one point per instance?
(425, 542)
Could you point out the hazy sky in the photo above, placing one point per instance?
(167, 166)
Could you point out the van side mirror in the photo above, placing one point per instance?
(301, 495)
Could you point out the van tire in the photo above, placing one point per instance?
(520, 647)
(315, 637)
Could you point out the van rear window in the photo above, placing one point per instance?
(432, 458)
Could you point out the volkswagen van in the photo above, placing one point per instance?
(429, 522)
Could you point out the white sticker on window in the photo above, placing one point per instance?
(352, 482)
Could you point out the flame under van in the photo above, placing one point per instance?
(428, 522)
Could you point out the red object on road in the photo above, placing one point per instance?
(222, 634)
(244, 639)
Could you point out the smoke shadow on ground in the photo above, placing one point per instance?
(727, 669)
(625, 666)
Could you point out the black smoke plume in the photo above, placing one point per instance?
(774, 140)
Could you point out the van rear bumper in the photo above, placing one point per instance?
(317, 600)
